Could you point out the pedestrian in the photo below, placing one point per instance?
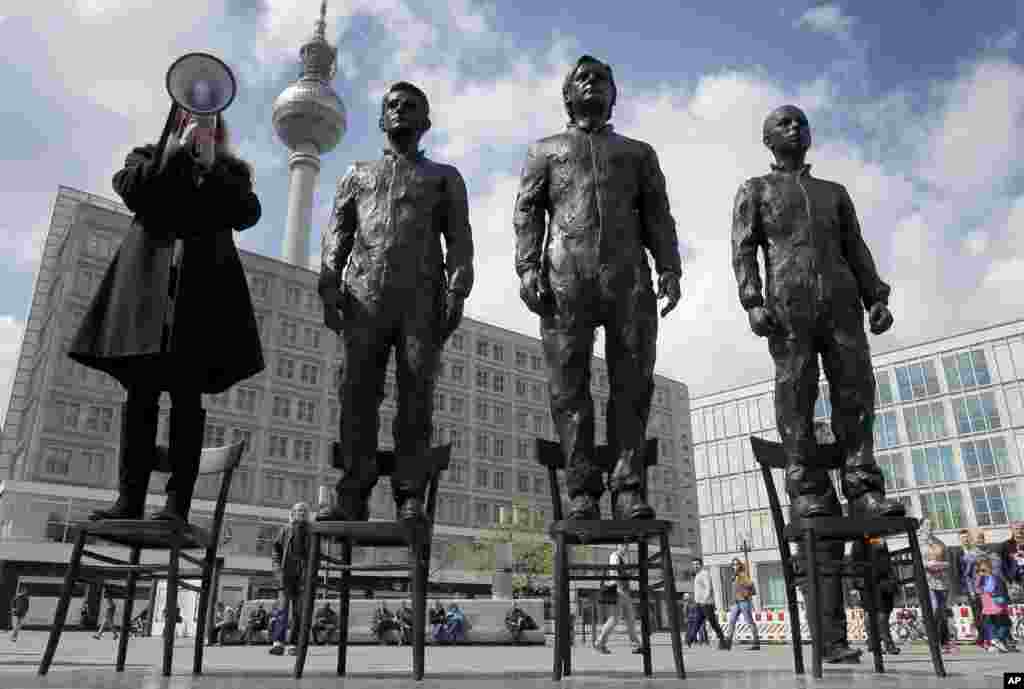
(704, 596)
(19, 608)
(966, 566)
(623, 605)
(694, 619)
(108, 617)
(227, 624)
(289, 561)
(936, 568)
(995, 609)
(743, 595)
(257, 623)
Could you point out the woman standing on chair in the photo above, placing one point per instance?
(213, 340)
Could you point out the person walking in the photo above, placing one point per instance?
(108, 617)
(289, 563)
(19, 608)
(623, 604)
(743, 595)
(704, 596)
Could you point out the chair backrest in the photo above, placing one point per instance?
(437, 461)
(550, 456)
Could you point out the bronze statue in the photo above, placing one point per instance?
(386, 285)
(820, 278)
(215, 341)
(605, 203)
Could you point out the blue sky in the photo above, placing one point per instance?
(917, 107)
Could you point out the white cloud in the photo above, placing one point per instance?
(11, 332)
(828, 19)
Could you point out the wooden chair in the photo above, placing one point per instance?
(569, 532)
(414, 535)
(148, 534)
(810, 531)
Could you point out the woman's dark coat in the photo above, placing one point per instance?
(216, 340)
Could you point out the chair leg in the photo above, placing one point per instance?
(560, 573)
(675, 626)
(419, 608)
(206, 594)
(61, 615)
(564, 609)
(171, 621)
(796, 638)
(872, 603)
(308, 600)
(930, 623)
(645, 611)
(816, 616)
(344, 585)
(126, 614)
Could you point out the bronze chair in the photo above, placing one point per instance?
(414, 535)
(569, 532)
(810, 531)
(148, 534)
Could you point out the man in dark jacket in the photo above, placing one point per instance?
(289, 562)
(386, 284)
(591, 204)
(211, 343)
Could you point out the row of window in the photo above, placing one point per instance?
(962, 371)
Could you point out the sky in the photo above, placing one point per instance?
(916, 107)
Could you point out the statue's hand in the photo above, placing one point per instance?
(762, 322)
(879, 318)
(452, 313)
(668, 288)
(333, 317)
(532, 293)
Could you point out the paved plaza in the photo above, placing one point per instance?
(83, 662)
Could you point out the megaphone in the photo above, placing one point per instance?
(202, 85)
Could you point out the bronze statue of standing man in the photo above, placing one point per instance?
(591, 204)
(820, 279)
(386, 284)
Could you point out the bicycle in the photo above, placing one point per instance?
(908, 628)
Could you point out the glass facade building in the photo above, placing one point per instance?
(949, 437)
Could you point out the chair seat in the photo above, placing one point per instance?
(148, 534)
(374, 533)
(608, 531)
(847, 528)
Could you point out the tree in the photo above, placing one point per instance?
(532, 552)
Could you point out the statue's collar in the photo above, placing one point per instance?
(390, 152)
(604, 128)
(803, 171)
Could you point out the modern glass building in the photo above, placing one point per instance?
(58, 458)
(949, 436)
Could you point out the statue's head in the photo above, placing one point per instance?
(404, 109)
(300, 513)
(786, 130)
(589, 85)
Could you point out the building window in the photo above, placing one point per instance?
(483, 513)
(772, 585)
(483, 348)
(499, 382)
(458, 342)
(521, 358)
(292, 295)
(457, 372)
(309, 374)
(274, 487)
(457, 405)
(282, 407)
(499, 414)
(242, 435)
(886, 432)
(934, 465)
(537, 392)
(966, 370)
(278, 446)
(499, 480)
(499, 447)
(285, 367)
(306, 411)
(523, 481)
(883, 389)
(455, 438)
(245, 400)
(289, 332)
(258, 286)
(520, 387)
(95, 464)
(976, 413)
(523, 449)
(483, 444)
(498, 352)
(997, 504)
(481, 410)
(482, 478)
(523, 418)
(893, 471)
(58, 461)
(943, 509)
(986, 458)
(482, 378)
(536, 363)
(538, 423)
(917, 381)
(311, 337)
(925, 422)
(213, 435)
(457, 472)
